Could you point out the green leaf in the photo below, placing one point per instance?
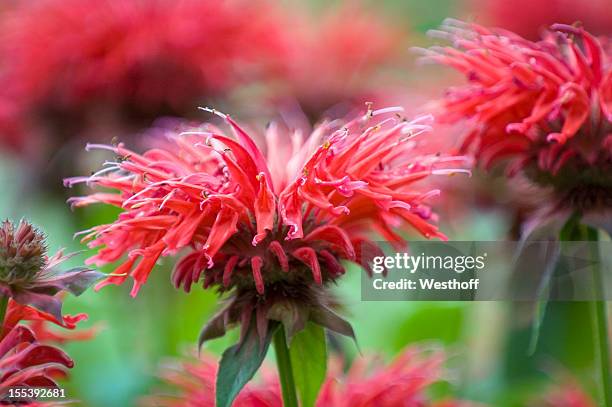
(239, 364)
(308, 352)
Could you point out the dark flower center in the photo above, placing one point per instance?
(579, 172)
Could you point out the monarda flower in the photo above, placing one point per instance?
(402, 383)
(30, 277)
(545, 108)
(270, 229)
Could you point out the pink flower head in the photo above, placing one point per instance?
(30, 277)
(368, 383)
(274, 225)
(545, 106)
(75, 60)
(402, 383)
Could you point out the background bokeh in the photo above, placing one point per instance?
(487, 342)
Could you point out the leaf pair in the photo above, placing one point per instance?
(307, 350)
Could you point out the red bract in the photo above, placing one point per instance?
(39, 323)
(75, 60)
(26, 362)
(274, 225)
(545, 106)
(368, 383)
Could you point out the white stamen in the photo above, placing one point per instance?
(452, 171)
(392, 109)
(93, 146)
(103, 171)
(166, 199)
(213, 111)
(196, 133)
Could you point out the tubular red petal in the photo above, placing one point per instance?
(18, 334)
(223, 228)
(144, 268)
(265, 210)
(228, 269)
(250, 146)
(308, 256)
(121, 274)
(336, 237)
(256, 263)
(291, 214)
(42, 354)
(241, 154)
(333, 265)
(277, 249)
(240, 179)
(184, 271)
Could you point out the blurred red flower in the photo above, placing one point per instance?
(544, 106)
(274, 226)
(368, 383)
(341, 56)
(567, 394)
(593, 14)
(73, 61)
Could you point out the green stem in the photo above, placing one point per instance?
(574, 230)
(3, 307)
(601, 323)
(285, 371)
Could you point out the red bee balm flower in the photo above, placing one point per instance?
(272, 227)
(130, 61)
(29, 277)
(546, 106)
(402, 383)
